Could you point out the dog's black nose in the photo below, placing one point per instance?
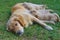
(19, 33)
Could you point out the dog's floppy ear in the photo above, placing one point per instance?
(21, 20)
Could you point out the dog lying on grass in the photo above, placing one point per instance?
(24, 14)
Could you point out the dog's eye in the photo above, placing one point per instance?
(16, 24)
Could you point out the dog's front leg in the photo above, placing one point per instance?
(41, 23)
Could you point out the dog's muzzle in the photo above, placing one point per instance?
(20, 32)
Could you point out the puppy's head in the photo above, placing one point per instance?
(16, 25)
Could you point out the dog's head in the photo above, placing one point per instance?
(16, 25)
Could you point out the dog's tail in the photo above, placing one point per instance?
(58, 18)
(42, 24)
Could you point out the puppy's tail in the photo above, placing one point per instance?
(42, 24)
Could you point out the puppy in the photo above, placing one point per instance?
(21, 17)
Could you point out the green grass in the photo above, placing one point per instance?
(34, 32)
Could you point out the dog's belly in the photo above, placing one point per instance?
(42, 16)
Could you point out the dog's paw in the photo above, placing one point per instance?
(49, 28)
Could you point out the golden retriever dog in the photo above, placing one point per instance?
(22, 16)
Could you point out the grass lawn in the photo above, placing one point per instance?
(34, 32)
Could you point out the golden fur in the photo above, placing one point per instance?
(23, 17)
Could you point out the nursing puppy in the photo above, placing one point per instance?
(21, 18)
